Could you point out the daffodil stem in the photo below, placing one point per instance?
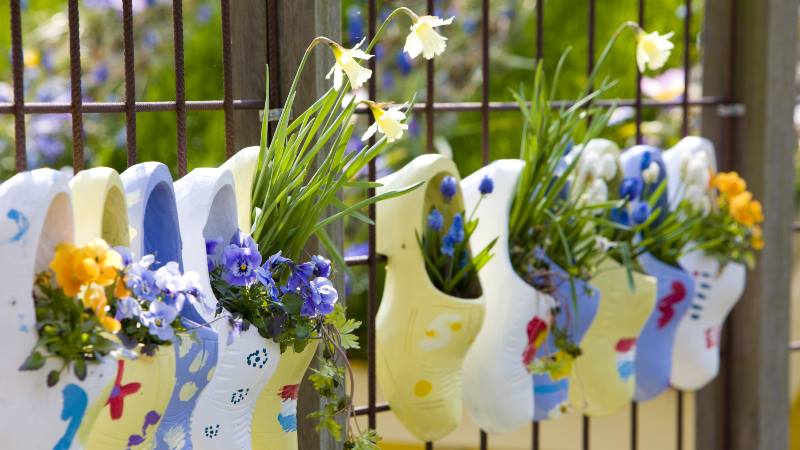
(606, 51)
(386, 22)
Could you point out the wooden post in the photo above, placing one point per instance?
(298, 23)
(751, 60)
(249, 46)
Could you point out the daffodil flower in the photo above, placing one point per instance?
(347, 64)
(652, 50)
(424, 39)
(387, 121)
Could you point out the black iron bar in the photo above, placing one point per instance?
(180, 84)
(485, 81)
(634, 425)
(535, 436)
(130, 81)
(227, 77)
(18, 107)
(429, 96)
(484, 440)
(372, 290)
(687, 65)
(638, 105)
(365, 410)
(76, 96)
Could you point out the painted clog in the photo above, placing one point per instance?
(498, 389)
(422, 333)
(222, 417)
(37, 215)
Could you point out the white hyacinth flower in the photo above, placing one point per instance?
(698, 199)
(697, 171)
(347, 64)
(651, 174)
(388, 121)
(607, 167)
(424, 39)
(597, 192)
(652, 50)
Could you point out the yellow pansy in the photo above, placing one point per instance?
(63, 265)
(729, 183)
(745, 210)
(108, 262)
(94, 298)
(757, 240)
(111, 324)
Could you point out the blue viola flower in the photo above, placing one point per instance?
(640, 213)
(142, 283)
(631, 188)
(213, 252)
(158, 320)
(264, 276)
(300, 276)
(448, 188)
(127, 308)
(487, 185)
(240, 259)
(319, 298)
(435, 220)
(322, 266)
(126, 254)
(277, 260)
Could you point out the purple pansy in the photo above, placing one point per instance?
(213, 252)
(240, 259)
(127, 307)
(319, 297)
(322, 266)
(158, 320)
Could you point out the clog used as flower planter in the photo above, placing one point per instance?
(603, 378)
(275, 416)
(37, 215)
(142, 386)
(498, 389)
(422, 333)
(695, 359)
(222, 416)
(155, 231)
(243, 167)
(551, 390)
(675, 289)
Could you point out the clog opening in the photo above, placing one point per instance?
(161, 230)
(58, 227)
(115, 218)
(222, 219)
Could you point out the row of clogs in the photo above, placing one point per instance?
(433, 350)
(204, 392)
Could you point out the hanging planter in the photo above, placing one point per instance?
(675, 287)
(603, 377)
(498, 389)
(154, 220)
(125, 420)
(223, 413)
(422, 333)
(718, 284)
(37, 216)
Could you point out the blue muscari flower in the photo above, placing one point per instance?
(464, 260)
(100, 73)
(641, 212)
(414, 128)
(448, 245)
(470, 25)
(403, 63)
(322, 266)
(355, 24)
(435, 220)
(620, 216)
(647, 158)
(240, 259)
(50, 147)
(204, 14)
(631, 188)
(457, 228)
(388, 80)
(487, 185)
(448, 187)
(158, 320)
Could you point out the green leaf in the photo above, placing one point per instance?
(79, 367)
(34, 361)
(53, 377)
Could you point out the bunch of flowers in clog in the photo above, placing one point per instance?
(73, 315)
(445, 242)
(731, 230)
(286, 301)
(149, 302)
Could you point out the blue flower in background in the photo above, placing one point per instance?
(641, 212)
(240, 259)
(631, 188)
(435, 220)
(448, 245)
(158, 318)
(620, 216)
(470, 25)
(100, 74)
(403, 63)
(204, 14)
(125, 253)
(322, 266)
(355, 25)
(647, 158)
(487, 185)
(50, 147)
(448, 187)
(414, 128)
(454, 236)
(388, 80)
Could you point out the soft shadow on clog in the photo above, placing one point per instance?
(222, 417)
(35, 216)
(142, 386)
(154, 223)
(243, 167)
(498, 389)
(675, 289)
(422, 333)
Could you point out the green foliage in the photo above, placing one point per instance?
(67, 331)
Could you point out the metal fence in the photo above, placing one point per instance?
(129, 107)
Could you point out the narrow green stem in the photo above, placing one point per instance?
(386, 22)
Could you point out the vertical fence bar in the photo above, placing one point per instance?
(535, 436)
(539, 55)
(687, 61)
(227, 77)
(75, 85)
(180, 85)
(372, 294)
(20, 159)
(429, 96)
(639, 90)
(590, 38)
(130, 81)
(485, 81)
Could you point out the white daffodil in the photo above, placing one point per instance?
(651, 174)
(347, 64)
(652, 50)
(388, 121)
(424, 39)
